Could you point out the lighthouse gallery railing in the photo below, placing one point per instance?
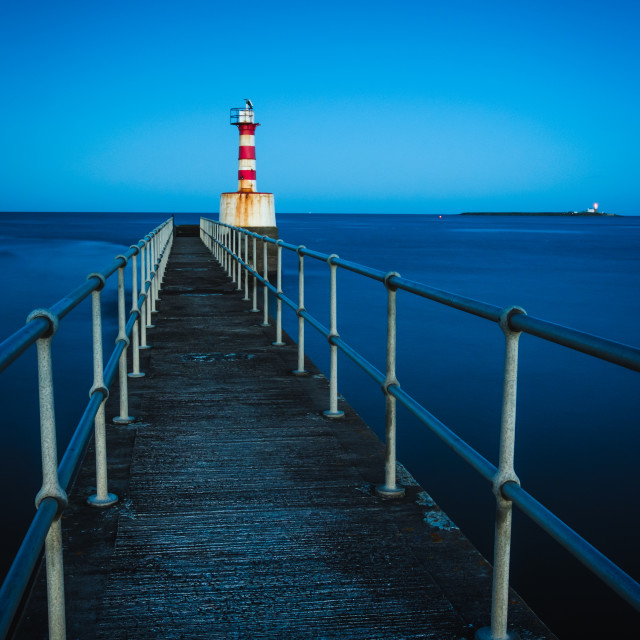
(41, 325)
(231, 247)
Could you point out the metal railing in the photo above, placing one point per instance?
(45, 528)
(226, 244)
(240, 115)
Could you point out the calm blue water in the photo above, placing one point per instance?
(578, 431)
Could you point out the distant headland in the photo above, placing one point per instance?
(575, 214)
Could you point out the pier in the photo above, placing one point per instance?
(243, 510)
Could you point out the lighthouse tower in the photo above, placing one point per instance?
(247, 207)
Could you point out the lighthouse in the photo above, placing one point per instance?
(247, 207)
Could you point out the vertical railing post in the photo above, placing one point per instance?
(169, 247)
(50, 484)
(506, 473)
(231, 266)
(222, 257)
(254, 266)
(300, 371)
(144, 284)
(333, 411)
(102, 497)
(164, 257)
(246, 269)
(155, 268)
(223, 253)
(265, 290)
(148, 305)
(154, 275)
(239, 258)
(227, 244)
(224, 238)
(161, 262)
(124, 417)
(135, 354)
(143, 308)
(166, 252)
(390, 489)
(279, 342)
(151, 256)
(232, 250)
(236, 264)
(159, 237)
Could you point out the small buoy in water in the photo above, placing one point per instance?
(440, 217)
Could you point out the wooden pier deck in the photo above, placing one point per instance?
(243, 512)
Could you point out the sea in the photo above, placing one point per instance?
(578, 418)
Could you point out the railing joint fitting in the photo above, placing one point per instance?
(47, 315)
(135, 248)
(331, 258)
(500, 479)
(393, 382)
(99, 388)
(57, 493)
(299, 249)
(387, 277)
(505, 318)
(124, 258)
(123, 338)
(300, 311)
(100, 277)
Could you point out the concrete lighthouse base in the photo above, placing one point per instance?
(248, 209)
(255, 212)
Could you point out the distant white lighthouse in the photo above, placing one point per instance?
(247, 207)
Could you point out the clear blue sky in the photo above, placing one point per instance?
(416, 107)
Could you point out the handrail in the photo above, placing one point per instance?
(223, 240)
(615, 352)
(41, 325)
(21, 340)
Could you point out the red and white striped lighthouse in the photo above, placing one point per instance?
(244, 120)
(247, 207)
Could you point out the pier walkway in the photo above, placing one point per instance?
(243, 512)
